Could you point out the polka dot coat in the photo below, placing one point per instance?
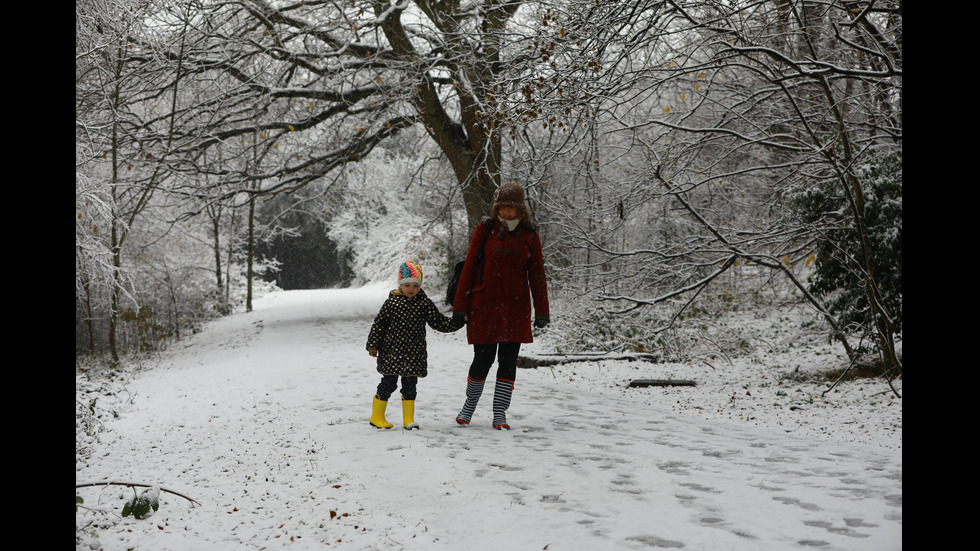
(398, 333)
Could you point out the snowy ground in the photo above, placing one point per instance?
(262, 419)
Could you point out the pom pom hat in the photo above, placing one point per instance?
(409, 272)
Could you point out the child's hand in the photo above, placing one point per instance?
(373, 352)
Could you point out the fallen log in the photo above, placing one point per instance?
(545, 360)
(660, 382)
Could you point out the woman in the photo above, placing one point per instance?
(503, 274)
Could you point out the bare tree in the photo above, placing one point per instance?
(698, 127)
(127, 99)
(316, 85)
(106, 148)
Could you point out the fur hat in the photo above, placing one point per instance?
(512, 195)
(509, 195)
(409, 272)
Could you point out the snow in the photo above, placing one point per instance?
(263, 420)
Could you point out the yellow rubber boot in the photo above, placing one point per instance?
(408, 414)
(378, 414)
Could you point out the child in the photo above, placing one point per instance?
(397, 339)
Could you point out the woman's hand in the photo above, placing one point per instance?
(541, 321)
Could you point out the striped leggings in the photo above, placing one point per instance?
(483, 356)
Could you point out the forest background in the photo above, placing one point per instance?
(682, 158)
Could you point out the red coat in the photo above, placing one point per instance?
(498, 300)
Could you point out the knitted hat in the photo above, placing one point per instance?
(409, 272)
(509, 195)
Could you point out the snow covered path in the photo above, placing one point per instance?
(262, 419)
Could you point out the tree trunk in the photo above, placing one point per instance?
(472, 148)
(115, 241)
(251, 251)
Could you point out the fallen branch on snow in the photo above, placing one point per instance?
(134, 484)
(545, 360)
(660, 382)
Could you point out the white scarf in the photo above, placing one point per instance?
(509, 224)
